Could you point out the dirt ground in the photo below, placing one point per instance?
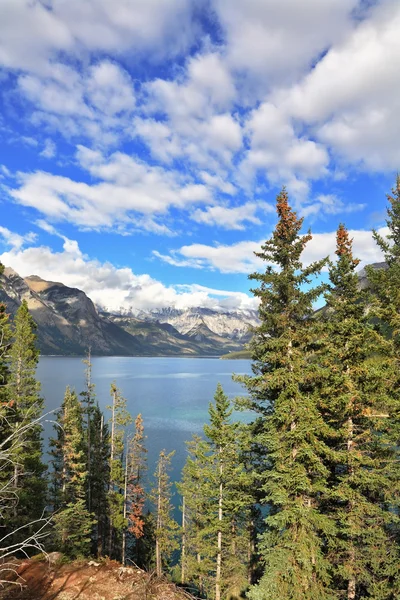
(88, 580)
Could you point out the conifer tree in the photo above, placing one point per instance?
(134, 485)
(73, 522)
(5, 341)
(197, 489)
(355, 400)
(25, 407)
(7, 497)
(120, 418)
(288, 430)
(100, 478)
(88, 399)
(217, 506)
(166, 527)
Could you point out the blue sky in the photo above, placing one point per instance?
(143, 142)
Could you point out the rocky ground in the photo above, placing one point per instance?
(49, 579)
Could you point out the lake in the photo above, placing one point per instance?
(172, 394)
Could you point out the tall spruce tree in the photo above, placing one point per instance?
(120, 418)
(355, 399)
(88, 399)
(7, 497)
(166, 527)
(24, 410)
(73, 522)
(100, 477)
(217, 506)
(198, 539)
(135, 497)
(289, 428)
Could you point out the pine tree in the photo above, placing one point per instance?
(166, 526)
(355, 398)
(73, 522)
(5, 342)
(289, 428)
(24, 409)
(217, 506)
(88, 399)
(100, 478)
(7, 497)
(120, 418)
(135, 469)
(197, 489)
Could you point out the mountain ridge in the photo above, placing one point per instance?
(69, 323)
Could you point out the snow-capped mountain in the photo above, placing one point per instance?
(235, 325)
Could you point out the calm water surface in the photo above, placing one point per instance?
(172, 394)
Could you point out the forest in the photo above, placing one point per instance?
(302, 503)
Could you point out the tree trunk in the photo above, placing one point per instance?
(219, 541)
(100, 520)
(89, 456)
(351, 585)
(112, 452)
(183, 554)
(159, 524)
(125, 507)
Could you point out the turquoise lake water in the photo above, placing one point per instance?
(172, 394)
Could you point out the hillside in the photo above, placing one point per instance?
(69, 323)
(86, 580)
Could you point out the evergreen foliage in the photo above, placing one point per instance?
(135, 495)
(69, 477)
(100, 478)
(217, 503)
(355, 400)
(120, 418)
(289, 428)
(24, 409)
(166, 527)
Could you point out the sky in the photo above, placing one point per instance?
(143, 142)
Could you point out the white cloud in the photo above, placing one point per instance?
(240, 258)
(276, 149)
(235, 258)
(126, 187)
(231, 217)
(49, 150)
(97, 102)
(352, 97)
(271, 41)
(196, 119)
(329, 204)
(15, 240)
(32, 34)
(116, 288)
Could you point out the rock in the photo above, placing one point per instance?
(54, 557)
(92, 563)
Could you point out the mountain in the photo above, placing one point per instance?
(69, 323)
(67, 320)
(233, 325)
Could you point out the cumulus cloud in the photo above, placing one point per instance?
(15, 240)
(273, 41)
(329, 204)
(114, 288)
(240, 257)
(195, 118)
(126, 187)
(92, 26)
(232, 218)
(49, 150)
(96, 102)
(276, 149)
(352, 97)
